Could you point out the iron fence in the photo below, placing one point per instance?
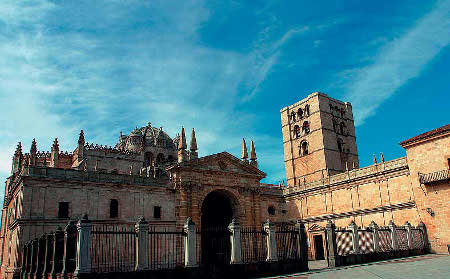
(166, 248)
(113, 248)
(286, 237)
(253, 243)
(344, 242)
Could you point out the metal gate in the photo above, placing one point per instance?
(216, 246)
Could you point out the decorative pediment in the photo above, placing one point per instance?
(219, 162)
(316, 227)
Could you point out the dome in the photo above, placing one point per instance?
(148, 136)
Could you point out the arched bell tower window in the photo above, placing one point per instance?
(340, 145)
(160, 159)
(293, 116)
(304, 148)
(300, 113)
(307, 110)
(305, 127)
(342, 128)
(113, 208)
(297, 131)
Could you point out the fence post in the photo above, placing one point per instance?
(355, 239)
(142, 253)
(331, 244)
(48, 254)
(271, 243)
(58, 252)
(426, 243)
(376, 236)
(393, 235)
(408, 234)
(83, 259)
(68, 250)
(302, 244)
(235, 238)
(190, 243)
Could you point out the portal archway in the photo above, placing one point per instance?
(218, 209)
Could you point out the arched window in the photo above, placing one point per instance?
(304, 148)
(300, 113)
(293, 116)
(113, 208)
(271, 210)
(170, 158)
(148, 159)
(340, 145)
(334, 126)
(342, 128)
(297, 131)
(307, 110)
(305, 127)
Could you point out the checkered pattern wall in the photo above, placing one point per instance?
(417, 239)
(385, 243)
(344, 243)
(365, 241)
(402, 239)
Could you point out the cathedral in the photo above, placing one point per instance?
(148, 173)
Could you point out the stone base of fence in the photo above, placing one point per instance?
(378, 256)
(227, 271)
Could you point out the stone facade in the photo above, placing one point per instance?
(149, 174)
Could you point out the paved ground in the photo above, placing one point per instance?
(427, 266)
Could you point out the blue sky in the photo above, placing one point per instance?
(223, 67)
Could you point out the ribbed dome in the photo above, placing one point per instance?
(149, 136)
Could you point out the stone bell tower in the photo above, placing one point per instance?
(318, 138)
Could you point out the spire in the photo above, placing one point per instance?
(18, 149)
(81, 138)
(253, 161)
(182, 154)
(193, 146)
(55, 146)
(382, 157)
(33, 149)
(182, 143)
(374, 159)
(244, 154)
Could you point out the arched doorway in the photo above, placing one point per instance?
(216, 214)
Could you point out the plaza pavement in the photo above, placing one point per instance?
(426, 266)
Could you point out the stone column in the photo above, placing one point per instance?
(271, 243)
(190, 244)
(48, 254)
(235, 238)
(331, 244)
(40, 257)
(24, 260)
(376, 237)
(83, 259)
(142, 253)
(34, 244)
(355, 239)
(408, 234)
(393, 235)
(58, 252)
(302, 244)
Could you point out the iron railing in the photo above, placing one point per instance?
(113, 248)
(286, 237)
(166, 248)
(253, 242)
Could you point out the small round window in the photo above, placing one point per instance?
(271, 210)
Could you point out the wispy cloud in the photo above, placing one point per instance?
(397, 62)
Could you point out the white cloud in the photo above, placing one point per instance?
(398, 62)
